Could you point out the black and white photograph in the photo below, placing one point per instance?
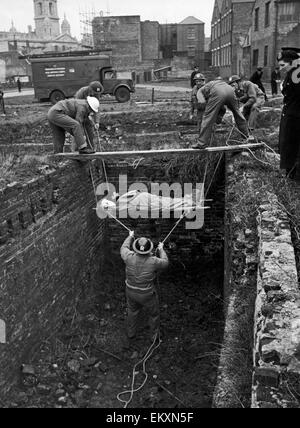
(150, 207)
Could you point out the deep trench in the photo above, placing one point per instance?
(183, 371)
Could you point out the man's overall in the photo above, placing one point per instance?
(218, 95)
(70, 116)
(141, 272)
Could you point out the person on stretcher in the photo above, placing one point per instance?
(144, 201)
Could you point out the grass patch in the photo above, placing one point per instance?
(15, 168)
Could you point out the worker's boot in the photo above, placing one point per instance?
(86, 151)
(200, 145)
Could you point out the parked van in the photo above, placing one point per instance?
(59, 76)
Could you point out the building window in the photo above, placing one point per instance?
(191, 51)
(256, 19)
(287, 12)
(51, 8)
(191, 33)
(267, 15)
(266, 55)
(255, 57)
(40, 9)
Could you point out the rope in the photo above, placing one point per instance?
(177, 223)
(133, 390)
(94, 186)
(103, 163)
(118, 221)
(216, 169)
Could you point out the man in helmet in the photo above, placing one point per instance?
(216, 96)
(251, 96)
(199, 80)
(71, 116)
(141, 271)
(95, 89)
(192, 79)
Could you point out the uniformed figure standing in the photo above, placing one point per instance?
(289, 136)
(195, 106)
(275, 80)
(215, 95)
(72, 116)
(141, 271)
(256, 79)
(2, 104)
(251, 96)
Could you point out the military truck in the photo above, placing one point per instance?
(58, 76)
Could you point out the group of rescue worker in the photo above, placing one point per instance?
(80, 117)
(209, 101)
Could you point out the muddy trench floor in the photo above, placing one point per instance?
(88, 363)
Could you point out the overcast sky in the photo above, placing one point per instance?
(21, 11)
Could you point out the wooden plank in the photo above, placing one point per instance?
(158, 153)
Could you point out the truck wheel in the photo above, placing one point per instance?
(122, 95)
(56, 96)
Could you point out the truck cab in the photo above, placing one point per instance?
(120, 88)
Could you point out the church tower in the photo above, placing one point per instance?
(65, 26)
(46, 19)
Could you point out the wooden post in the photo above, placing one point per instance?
(153, 94)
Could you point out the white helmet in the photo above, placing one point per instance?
(93, 103)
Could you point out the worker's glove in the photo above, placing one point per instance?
(97, 126)
(131, 234)
(160, 246)
(191, 116)
(202, 106)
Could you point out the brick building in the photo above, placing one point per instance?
(229, 29)
(274, 24)
(168, 40)
(131, 40)
(186, 39)
(191, 39)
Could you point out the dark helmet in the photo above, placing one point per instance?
(288, 55)
(96, 87)
(234, 78)
(199, 76)
(143, 246)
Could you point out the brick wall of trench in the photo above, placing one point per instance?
(276, 379)
(260, 359)
(51, 247)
